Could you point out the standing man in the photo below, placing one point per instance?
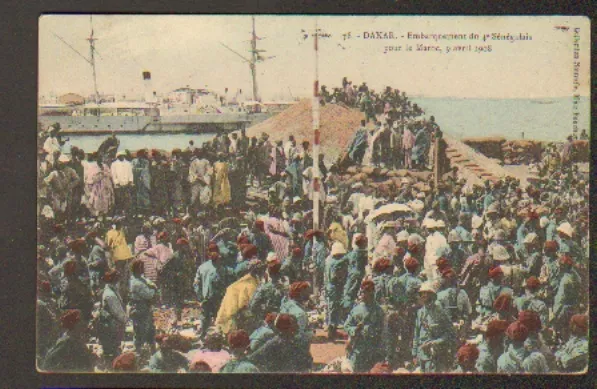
(142, 183)
(200, 174)
(122, 176)
(121, 255)
(142, 293)
(335, 277)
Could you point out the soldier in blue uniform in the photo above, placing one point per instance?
(268, 296)
(292, 267)
(74, 294)
(530, 302)
(294, 304)
(550, 271)
(357, 261)
(491, 291)
(260, 239)
(381, 276)
(466, 358)
(491, 346)
(455, 302)
(534, 342)
(238, 343)
(566, 300)
(211, 280)
(141, 297)
(364, 326)
(70, 353)
(573, 356)
(169, 358)
(315, 255)
(435, 338)
(263, 333)
(335, 278)
(517, 358)
(112, 317)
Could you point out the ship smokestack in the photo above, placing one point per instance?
(149, 96)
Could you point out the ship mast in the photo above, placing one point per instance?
(255, 58)
(92, 40)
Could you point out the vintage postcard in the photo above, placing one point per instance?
(313, 194)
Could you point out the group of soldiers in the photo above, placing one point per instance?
(483, 279)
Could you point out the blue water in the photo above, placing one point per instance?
(507, 117)
(542, 119)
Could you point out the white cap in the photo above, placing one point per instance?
(428, 223)
(416, 205)
(63, 158)
(415, 239)
(476, 221)
(530, 238)
(338, 248)
(566, 228)
(402, 236)
(357, 185)
(454, 236)
(428, 286)
(440, 224)
(543, 222)
(271, 256)
(499, 253)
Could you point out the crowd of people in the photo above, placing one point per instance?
(465, 278)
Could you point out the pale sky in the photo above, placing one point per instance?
(182, 50)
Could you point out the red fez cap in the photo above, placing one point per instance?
(533, 215)
(77, 245)
(566, 259)
(297, 252)
(285, 323)
(382, 264)
(531, 320)
(368, 285)
(581, 321)
(70, 267)
(503, 303)
(399, 251)
(182, 241)
(213, 247)
(92, 234)
(297, 288)
(177, 220)
(249, 251)
(242, 239)
(155, 152)
(141, 152)
(517, 331)
(259, 224)
(449, 273)
(110, 275)
(467, 353)
(137, 266)
(58, 228)
(274, 267)
(442, 263)
(270, 317)
(70, 318)
(45, 287)
(532, 283)
(162, 236)
(496, 328)
(200, 366)
(238, 339)
(551, 246)
(125, 362)
(361, 241)
(381, 368)
(411, 264)
(495, 272)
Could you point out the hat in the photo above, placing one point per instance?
(467, 353)
(428, 286)
(162, 236)
(448, 273)
(337, 248)
(551, 246)
(420, 195)
(402, 236)
(77, 245)
(442, 263)
(440, 224)
(182, 241)
(411, 264)
(566, 228)
(213, 247)
(381, 368)
(70, 318)
(476, 221)
(242, 239)
(285, 323)
(238, 339)
(415, 239)
(177, 220)
(200, 366)
(500, 253)
(64, 158)
(503, 303)
(530, 238)
(44, 286)
(495, 272)
(125, 362)
(368, 285)
(454, 237)
(297, 251)
(260, 225)
(543, 222)
(382, 264)
(517, 331)
(274, 267)
(110, 275)
(499, 235)
(531, 320)
(496, 327)
(297, 288)
(566, 259)
(532, 283)
(249, 251)
(388, 225)
(581, 321)
(357, 185)
(492, 208)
